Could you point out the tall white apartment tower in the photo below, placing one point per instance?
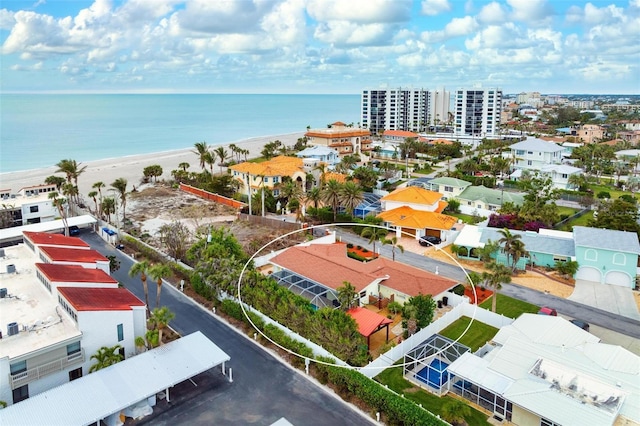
(403, 109)
(477, 112)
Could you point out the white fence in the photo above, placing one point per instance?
(462, 309)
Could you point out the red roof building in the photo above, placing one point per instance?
(74, 274)
(100, 299)
(48, 239)
(369, 322)
(71, 256)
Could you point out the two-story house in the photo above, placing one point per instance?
(415, 211)
(269, 174)
(449, 187)
(533, 154)
(341, 138)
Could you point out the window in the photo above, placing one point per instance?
(18, 367)
(33, 209)
(20, 394)
(530, 152)
(564, 176)
(120, 333)
(276, 179)
(590, 254)
(363, 294)
(619, 259)
(75, 374)
(448, 189)
(73, 348)
(529, 162)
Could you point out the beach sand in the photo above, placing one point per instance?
(130, 167)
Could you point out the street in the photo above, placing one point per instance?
(263, 389)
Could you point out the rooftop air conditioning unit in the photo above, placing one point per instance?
(3, 293)
(12, 328)
(11, 268)
(1, 252)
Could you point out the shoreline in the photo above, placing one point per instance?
(130, 167)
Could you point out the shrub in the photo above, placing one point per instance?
(349, 245)
(459, 290)
(603, 194)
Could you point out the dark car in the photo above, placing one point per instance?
(74, 231)
(428, 240)
(582, 324)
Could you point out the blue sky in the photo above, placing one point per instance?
(318, 46)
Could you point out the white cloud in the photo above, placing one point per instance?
(461, 26)
(531, 11)
(362, 11)
(435, 7)
(492, 13)
(348, 33)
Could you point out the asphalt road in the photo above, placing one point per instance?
(263, 389)
(608, 320)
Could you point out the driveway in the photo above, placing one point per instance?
(611, 298)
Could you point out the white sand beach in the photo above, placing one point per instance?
(130, 167)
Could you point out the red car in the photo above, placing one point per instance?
(548, 311)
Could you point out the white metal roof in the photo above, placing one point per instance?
(469, 236)
(16, 232)
(476, 370)
(546, 330)
(110, 390)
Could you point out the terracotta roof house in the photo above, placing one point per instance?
(416, 211)
(316, 271)
(398, 136)
(269, 174)
(341, 138)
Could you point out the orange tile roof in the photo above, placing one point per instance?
(45, 238)
(72, 255)
(278, 166)
(338, 132)
(441, 206)
(74, 273)
(329, 265)
(100, 299)
(368, 321)
(413, 195)
(400, 133)
(407, 217)
(339, 177)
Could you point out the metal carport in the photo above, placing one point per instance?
(109, 391)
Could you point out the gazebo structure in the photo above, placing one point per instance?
(369, 322)
(427, 363)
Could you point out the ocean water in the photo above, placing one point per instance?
(40, 130)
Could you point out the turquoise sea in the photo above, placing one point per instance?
(39, 130)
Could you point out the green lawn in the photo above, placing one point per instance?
(510, 307)
(477, 335)
(581, 221)
(566, 210)
(615, 192)
(466, 218)
(393, 378)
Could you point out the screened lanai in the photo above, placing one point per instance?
(370, 205)
(426, 365)
(319, 295)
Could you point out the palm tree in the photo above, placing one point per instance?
(98, 186)
(346, 295)
(106, 356)
(71, 191)
(160, 318)
(120, 185)
(331, 196)
(222, 154)
(202, 149)
(142, 268)
(107, 206)
(59, 203)
(158, 272)
(374, 234)
(394, 245)
(350, 196)
(518, 251)
(322, 168)
(55, 180)
(184, 166)
(210, 159)
(507, 240)
(454, 411)
(314, 195)
(71, 169)
(495, 275)
(93, 195)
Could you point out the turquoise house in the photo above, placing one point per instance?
(603, 255)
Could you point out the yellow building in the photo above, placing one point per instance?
(269, 174)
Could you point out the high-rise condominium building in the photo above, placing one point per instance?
(477, 112)
(403, 109)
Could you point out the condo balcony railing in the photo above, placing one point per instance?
(35, 373)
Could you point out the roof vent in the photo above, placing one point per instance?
(1, 252)
(11, 268)
(12, 328)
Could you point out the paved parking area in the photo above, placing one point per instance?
(610, 298)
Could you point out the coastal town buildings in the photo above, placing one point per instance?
(343, 139)
(269, 174)
(403, 109)
(57, 315)
(29, 205)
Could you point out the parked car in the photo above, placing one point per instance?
(582, 324)
(548, 311)
(428, 240)
(74, 231)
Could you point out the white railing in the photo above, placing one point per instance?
(35, 373)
